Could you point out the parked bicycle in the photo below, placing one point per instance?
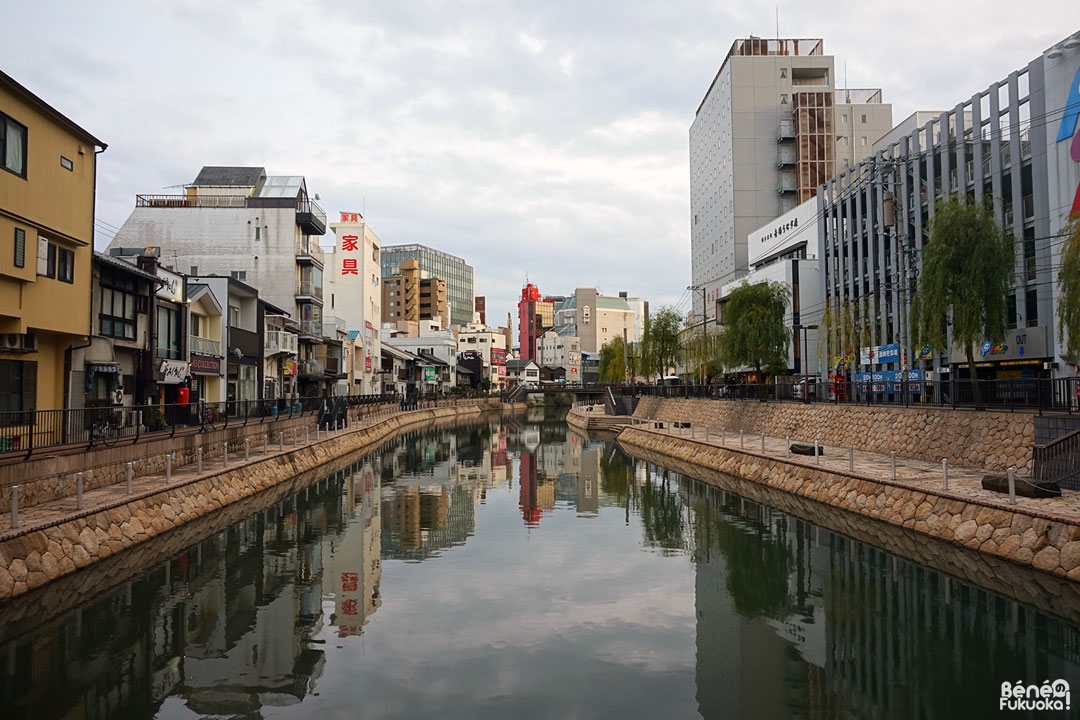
(105, 431)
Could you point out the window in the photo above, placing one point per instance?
(239, 274)
(862, 141)
(116, 316)
(864, 119)
(20, 248)
(783, 72)
(234, 316)
(12, 146)
(18, 386)
(168, 333)
(65, 271)
(783, 98)
(843, 118)
(258, 233)
(194, 270)
(66, 164)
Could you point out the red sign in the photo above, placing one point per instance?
(348, 266)
(367, 361)
(350, 243)
(350, 217)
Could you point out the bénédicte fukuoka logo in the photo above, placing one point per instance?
(1048, 696)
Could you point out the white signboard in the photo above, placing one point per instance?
(797, 226)
(173, 289)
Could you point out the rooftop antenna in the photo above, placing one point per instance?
(847, 88)
(777, 26)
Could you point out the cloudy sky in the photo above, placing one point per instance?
(545, 140)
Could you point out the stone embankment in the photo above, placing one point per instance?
(994, 441)
(36, 554)
(1035, 534)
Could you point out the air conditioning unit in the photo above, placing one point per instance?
(11, 341)
(29, 342)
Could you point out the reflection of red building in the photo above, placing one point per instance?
(528, 486)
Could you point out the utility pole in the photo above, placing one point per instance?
(704, 328)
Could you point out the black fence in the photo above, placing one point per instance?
(1038, 394)
(29, 431)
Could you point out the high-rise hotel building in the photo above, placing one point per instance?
(771, 128)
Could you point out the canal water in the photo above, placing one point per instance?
(512, 569)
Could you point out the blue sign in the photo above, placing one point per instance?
(888, 353)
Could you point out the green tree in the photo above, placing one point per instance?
(845, 326)
(755, 333)
(660, 347)
(1069, 300)
(612, 361)
(966, 271)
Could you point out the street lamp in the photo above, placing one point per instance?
(803, 358)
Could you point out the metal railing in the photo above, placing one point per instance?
(1059, 461)
(1036, 394)
(310, 289)
(308, 247)
(30, 431)
(191, 201)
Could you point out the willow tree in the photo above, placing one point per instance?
(754, 332)
(845, 325)
(612, 367)
(660, 348)
(966, 272)
(1069, 293)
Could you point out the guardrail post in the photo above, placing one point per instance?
(78, 490)
(1012, 486)
(168, 468)
(130, 476)
(281, 440)
(14, 506)
(294, 437)
(944, 473)
(817, 453)
(198, 460)
(851, 458)
(723, 436)
(762, 442)
(741, 443)
(787, 444)
(225, 453)
(265, 441)
(307, 434)
(892, 461)
(247, 449)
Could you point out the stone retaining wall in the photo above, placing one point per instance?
(32, 558)
(968, 438)
(1025, 537)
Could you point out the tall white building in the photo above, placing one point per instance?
(353, 292)
(771, 128)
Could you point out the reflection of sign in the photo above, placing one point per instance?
(429, 374)
(173, 372)
(205, 364)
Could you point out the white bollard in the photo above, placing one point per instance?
(225, 453)
(281, 440)
(318, 433)
(892, 461)
(14, 506)
(1012, 486)
(307, 434)
(247, 449)
(168, 468)
(266, 440)
(944, 473)
(742, 445)
(817, 453)
(851, 458)
(130, 472)
(78, 490)
(762, 442)
(723, 435)
(787, 444)
(294, 436)
(198, 460)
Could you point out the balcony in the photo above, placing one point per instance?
(310, 217)
(311, 327)
(308, 291)
(785, 156)
(204, 346)
(785, 131)
(279, 342)
(786, 185)
(310, 367)
(308, 252)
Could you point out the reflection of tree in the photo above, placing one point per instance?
(662, 516)
(758, 563)
(616, 475)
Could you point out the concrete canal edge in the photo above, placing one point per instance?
(37, 557)
(1022, 537)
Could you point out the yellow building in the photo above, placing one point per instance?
(48, 174)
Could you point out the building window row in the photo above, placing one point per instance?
(12, 146)
(54, 261)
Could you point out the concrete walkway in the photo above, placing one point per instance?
(95, 500)
(964, 484)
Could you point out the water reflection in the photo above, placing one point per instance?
(420, 582)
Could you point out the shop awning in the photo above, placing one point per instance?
(109, 369)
